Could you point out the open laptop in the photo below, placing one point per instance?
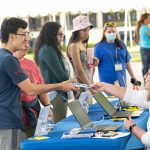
(110, 110)
(83, 119)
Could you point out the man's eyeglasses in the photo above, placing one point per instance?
(25, 34)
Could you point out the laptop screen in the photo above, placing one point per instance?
(79, 113)
(107, 106)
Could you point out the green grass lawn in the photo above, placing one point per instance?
(30, 56)
(135, 54)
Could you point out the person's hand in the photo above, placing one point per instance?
(128, 122)
(99, 86)
(95, 61)
(50, 114)
(135, 82)
(67, 86)
(93, 91)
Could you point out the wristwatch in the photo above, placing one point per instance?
(131, 127)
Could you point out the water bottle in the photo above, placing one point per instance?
(70, 95)
(52, 95)
(83, 100)
(50, 124)
(85, 106)
(42, 129)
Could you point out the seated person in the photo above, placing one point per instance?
(134, 97)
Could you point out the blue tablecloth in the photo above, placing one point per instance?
(96, 112)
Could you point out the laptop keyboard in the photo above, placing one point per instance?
(107, 127)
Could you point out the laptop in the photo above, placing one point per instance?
(83, 119)
(110, 110)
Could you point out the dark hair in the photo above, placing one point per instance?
(48, 36)
(117, 40)
(138, 25)
(75, 38)
(11, 25)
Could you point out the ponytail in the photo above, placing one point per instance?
(138, 25)
(136, 38)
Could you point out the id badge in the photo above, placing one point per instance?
(118, 67)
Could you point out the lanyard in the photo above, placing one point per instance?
(115, 58)
(116, 54)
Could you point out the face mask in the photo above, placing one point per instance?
(110, 37)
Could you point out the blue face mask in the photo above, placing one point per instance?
(110, 37)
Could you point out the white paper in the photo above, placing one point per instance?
(80, 85)
(120, 134)
(70, 136)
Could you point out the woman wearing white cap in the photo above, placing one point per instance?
(77, 51)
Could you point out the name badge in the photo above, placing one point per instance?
(118, 67)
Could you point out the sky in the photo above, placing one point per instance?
(23, 8)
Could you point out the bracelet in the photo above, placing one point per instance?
(51, 106)
(131, 127)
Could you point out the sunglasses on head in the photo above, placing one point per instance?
(111, 24)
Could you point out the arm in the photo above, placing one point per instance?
(18, 78)
(44, 99)
(134, 97)
(34, 89)
(137, 131)
(111, 89)
(127, 60)
(148, 32)
(130, 71)
(97, 55)
(75, 55)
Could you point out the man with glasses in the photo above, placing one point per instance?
(13, 80)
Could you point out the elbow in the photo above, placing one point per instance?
(80, 72)
(29, 92)
(145, 139)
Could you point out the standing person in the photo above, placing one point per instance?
(142, 37)
(113, 56)
(51, 61)
(138, 98)
(31, 105)
(77, 50)
(13, 81)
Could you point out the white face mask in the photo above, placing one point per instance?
(110, 37)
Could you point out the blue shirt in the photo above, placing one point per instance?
(106, 53)
(144, 37)
(10, 102)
